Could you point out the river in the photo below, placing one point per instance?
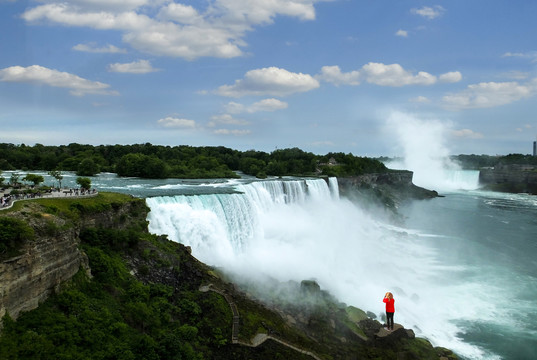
(462, 268)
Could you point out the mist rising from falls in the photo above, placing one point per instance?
(422, 146)
(302, 229)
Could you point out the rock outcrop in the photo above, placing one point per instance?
(383, 193)
(43, 266)
(397, 184)
(54, 257)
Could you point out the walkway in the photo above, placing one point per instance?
(258, 339)
(64, 193)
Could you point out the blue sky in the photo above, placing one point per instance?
(324, 76)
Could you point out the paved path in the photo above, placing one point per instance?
(64, 193)
(259, 338)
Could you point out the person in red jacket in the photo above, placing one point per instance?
(390, 309)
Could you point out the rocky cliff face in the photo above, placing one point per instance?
(53, 258)
(45, 263)
(510, 178)
(383, 193)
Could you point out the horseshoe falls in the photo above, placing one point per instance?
(462, 268)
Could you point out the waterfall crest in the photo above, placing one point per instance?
(217, 226)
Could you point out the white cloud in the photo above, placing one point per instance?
(394, 75)
(70, 15)
(429, 12)
(402, 33)
(226, 119)
(175, 29)
(450, 77)
(184, 14)
(268, 105)
(269, 81)
(333, 74)
(531, 55)
(172, 122)
(231, 132)
(263, 105)
(112, 5)
(40, 75)
(92, 48)
(467, 133)
(135, 67)
(489, 94)
(383, 75)
(235, 108)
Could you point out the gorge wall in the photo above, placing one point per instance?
(395, 185)
(54, 256)
(46, 263)
(510, 178)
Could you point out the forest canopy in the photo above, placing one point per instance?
(157, 161)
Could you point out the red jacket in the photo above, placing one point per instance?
(390, 305)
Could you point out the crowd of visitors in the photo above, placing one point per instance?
(7, 196)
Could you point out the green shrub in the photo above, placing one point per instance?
(13, 233)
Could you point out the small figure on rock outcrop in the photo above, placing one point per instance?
(390, 309)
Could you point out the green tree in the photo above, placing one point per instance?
(87, 167)
(33, 178)
(84, 182)
(14, 179)
(57, 175)
(13, 232)
(140, 165)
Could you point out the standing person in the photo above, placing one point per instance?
(390, 309)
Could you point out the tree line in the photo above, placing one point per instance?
(476, 162)
(158, 161)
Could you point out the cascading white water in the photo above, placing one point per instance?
(301, 229)
(422, 144)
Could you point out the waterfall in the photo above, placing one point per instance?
(218, 226)
(301, 229)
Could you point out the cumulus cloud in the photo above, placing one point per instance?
(40, 75)
(333, 74)
(173, 122)
(394, 75)
(402, 33)
(135, 67)
(467, 133)
(450, 77)
(383, 75)
(263, 105)
(173, 29)
(92, 48)
(429, 12)
(489, 94)
(269, 81)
